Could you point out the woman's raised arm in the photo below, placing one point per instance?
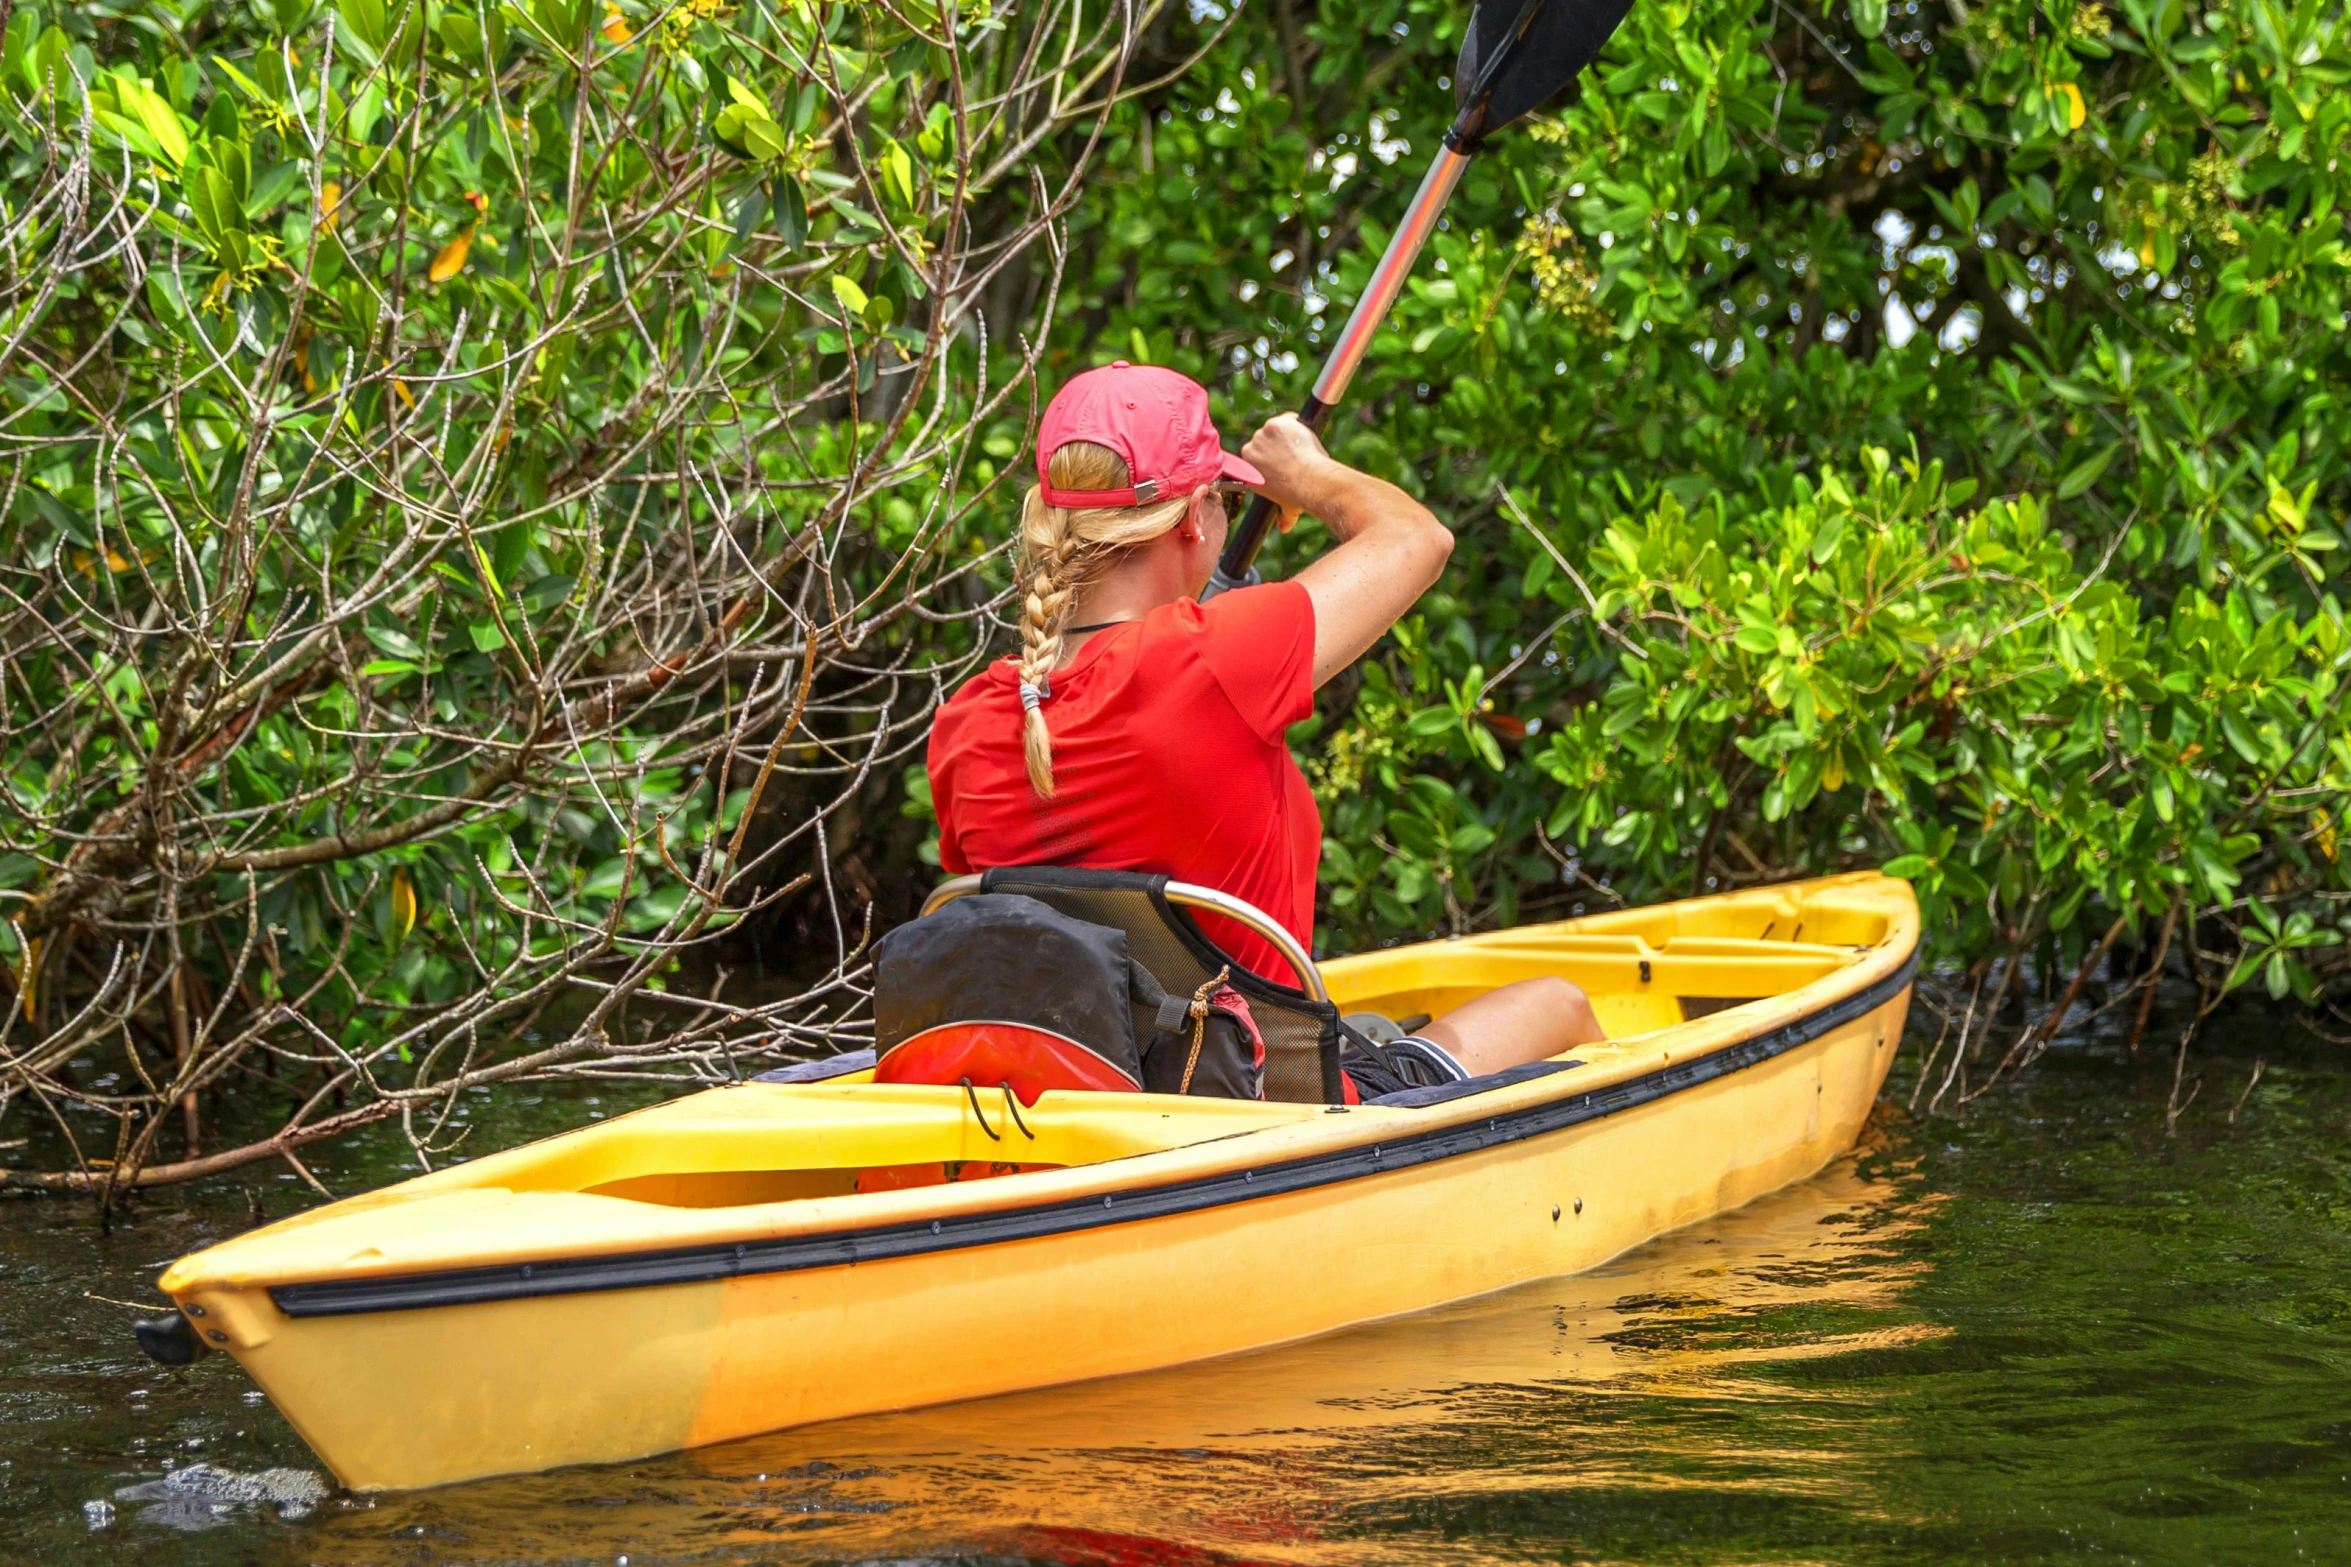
(1390, 551)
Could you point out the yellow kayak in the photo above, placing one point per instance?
(744, 1259)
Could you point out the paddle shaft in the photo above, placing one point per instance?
(1235, 568)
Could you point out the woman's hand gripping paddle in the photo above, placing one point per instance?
(1516, 57)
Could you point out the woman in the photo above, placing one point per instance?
(1139, 730)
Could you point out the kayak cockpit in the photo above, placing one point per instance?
(1643, 969)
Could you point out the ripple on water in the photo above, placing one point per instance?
(203, 1496)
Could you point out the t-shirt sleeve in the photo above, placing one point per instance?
(1259, 644)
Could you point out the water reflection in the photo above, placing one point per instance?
(1292, 1455)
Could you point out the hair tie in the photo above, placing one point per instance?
(1031, 695)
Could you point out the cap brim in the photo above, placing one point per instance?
(1236, 468)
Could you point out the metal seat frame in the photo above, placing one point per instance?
(1190, 895)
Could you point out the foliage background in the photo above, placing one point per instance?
(1877, 434)
(1907, 437)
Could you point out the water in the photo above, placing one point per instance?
(2043, 1332)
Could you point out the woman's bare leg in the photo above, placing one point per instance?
(1514, 1024)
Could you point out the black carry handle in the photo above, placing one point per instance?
(1516, 55)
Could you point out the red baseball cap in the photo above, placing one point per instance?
(1155, 418)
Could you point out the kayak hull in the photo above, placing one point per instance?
(403, 1377)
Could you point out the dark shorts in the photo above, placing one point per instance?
(1392, 1067)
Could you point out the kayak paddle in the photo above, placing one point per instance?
(1516, 56)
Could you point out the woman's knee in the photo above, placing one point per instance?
(1564, 1004)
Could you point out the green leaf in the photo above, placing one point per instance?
(791, 213)
(141, 107)
(2247, 966)
(205, 191)
(510, 553)
(2085, 473)
(271, 189)
(398, 643)
(763, 138)
(1830, 534)
(897, 173)
(220, 198)
(365, 18)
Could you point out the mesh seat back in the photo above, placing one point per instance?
(1301, 1035)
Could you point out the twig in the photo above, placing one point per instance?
(2029, 1044)
(2154, 975)
(2258, 1064)
(2174, 1106)
(1510, 504)
(1958, 1051)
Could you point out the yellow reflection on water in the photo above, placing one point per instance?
(1314, 1452)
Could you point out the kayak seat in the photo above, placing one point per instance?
(1020, 1059)
(1299, 1025)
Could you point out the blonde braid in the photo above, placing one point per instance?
(1062, 549)
(1052, 551)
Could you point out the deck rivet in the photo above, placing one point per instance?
(216, 1335)
(1106, 1202)
(934, 1226)
(739, 1251)
(1555, 1213)
(1579, 1205)
(195, 1311)
(526, 1270)
(1248, 1175)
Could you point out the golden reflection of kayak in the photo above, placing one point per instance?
(708, 1268)
(1278, 1455)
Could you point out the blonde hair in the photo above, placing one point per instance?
(1061, 550)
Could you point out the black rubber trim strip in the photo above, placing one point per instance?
(702, 1264)
(1444, 1093)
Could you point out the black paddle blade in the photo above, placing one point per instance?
(1519, 54)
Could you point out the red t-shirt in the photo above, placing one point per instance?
(1168, 757)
